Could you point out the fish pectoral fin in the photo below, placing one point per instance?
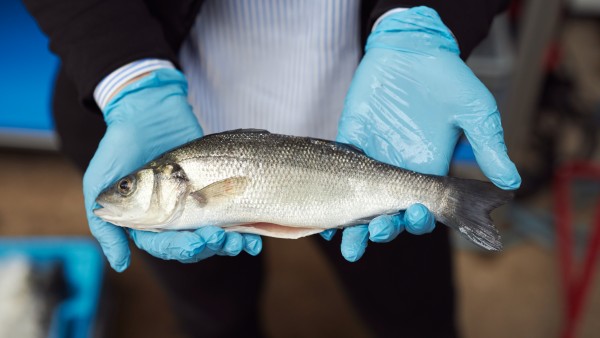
(273, 230)
(227, 188)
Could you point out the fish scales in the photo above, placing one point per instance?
(285, 186)
(297, 182)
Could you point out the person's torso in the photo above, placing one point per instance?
(280, 65)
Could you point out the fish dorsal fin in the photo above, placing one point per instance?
(245, 131)
(224, 189)
(351, 147)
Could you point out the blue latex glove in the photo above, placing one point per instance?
(409, 101)
(145, 119)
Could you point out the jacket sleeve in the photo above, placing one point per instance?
(469, 20)
(94, 37)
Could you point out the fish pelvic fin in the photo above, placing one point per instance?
(468, 207)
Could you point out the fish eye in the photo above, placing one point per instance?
(125, 186)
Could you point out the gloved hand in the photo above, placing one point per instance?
(145, 119)
(409, 101)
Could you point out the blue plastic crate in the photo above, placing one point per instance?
(83, 267)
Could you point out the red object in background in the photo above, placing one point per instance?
(575, 285)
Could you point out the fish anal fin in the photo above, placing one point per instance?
(224, 189)
(273, 230)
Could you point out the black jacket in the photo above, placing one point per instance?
(94, 37)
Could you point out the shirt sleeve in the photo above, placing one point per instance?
(390, 12)
(94, 37)
(469, 20)
(115, 80)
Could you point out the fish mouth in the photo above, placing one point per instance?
(102, 212)
(106, 211)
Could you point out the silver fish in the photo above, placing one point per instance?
(253, 181)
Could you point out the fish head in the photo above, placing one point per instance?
(148, 198)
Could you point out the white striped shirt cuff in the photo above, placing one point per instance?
(115, 80)
(388, 13)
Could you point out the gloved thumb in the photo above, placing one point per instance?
(113, 241)
(487, 139)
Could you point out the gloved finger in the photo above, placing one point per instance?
(385, 228)
(169, 245)
(328, 234)
(213, 236)
(234, 244)
(113, 241)
(487, 139)
(354, 242)
(422, 156)
(351, 130)
(252, 244)
(418, 219)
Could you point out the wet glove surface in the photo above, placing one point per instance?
(410, 100)
(145, 119)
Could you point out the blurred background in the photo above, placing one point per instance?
(541, 61)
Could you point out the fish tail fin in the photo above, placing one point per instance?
(468, 207)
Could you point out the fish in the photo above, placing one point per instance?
(282, 186)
